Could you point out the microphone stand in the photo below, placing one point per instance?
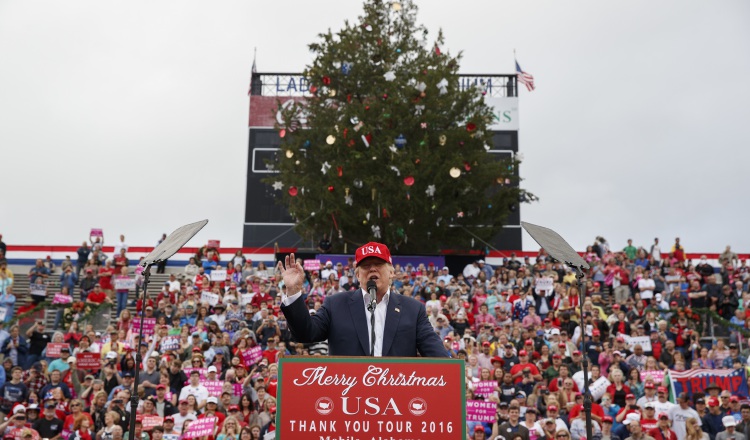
(587, 401)
(138, 358)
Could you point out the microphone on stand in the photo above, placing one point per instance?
(371, 296)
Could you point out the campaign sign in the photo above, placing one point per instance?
(697, 380)
(211, 298)
(124, 282)
(214, 244)
(237, 387)
(3, 313)
(88, 361)
(53, 349)
(214, 387)
(38, 289)
(543, 284)
(201, 427)
(170, 343)
(632, 341)
(148, 326)
(219, 275)
(59, 298)
(480, 411)
(657, 375)
(311, 264)
(246, 298)
(252, 355)
(203, 372)
(485, 388)
(96, 232)
(599, 387)
(149, 422)
(328, 397)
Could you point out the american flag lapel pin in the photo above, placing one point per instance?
(398, 310)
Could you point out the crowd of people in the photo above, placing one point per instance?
(518, 325)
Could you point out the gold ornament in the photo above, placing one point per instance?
(455, 172)
(443, 139)
(346, 191)
(396, 6)
(330, 139)
(289, 154)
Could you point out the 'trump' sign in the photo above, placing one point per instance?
(695, 381)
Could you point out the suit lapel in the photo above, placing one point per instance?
(392, 318)
(359, 318)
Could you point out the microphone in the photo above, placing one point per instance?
(371, 296)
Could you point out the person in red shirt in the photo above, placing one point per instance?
(597, 412)
(271, 352)
(105, 277)
(662, 431)
(97, 296)
(212, 406)
(630, 407)
(524, 370)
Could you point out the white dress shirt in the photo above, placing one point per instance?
(381, 311)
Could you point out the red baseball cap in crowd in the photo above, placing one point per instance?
(596, 333)
(234, 408)
(620, 339)
(497, 359)
(547, 321)
(662, 416)
(551, 408)
(576, 353)
(661, 390)
(522, 353)
(485, 344)
(467, 305)
(373, 250)
(734, 399)
(607, 419)
(615, 306)
(529, 342)
(649, 386)
(713, 401)
(479, 428)
(161, 386)
(556, 356)
(630, 396)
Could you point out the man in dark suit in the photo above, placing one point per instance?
(401, 327)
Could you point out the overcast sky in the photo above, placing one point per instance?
(131, 116)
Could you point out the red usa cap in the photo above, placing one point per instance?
(373, 249)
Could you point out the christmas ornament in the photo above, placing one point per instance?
(331, 188)
(376, 231)
(443, 139)
(340, 171)
(393, 148)
(437, 50)
(346, 67)
(396, 6)
(357, 183)
(289, 154)
(354, 120)
(455, 172)
(421, 86)
(358, 126)
(306, 144)
(332, 93)
(418, 109)
(430, 191)
(326, 80)
(409, 180)
(346, 132)
(470, 126)
(460, 214)
(313, 89)
(326, 166)
(443, 86)
(282, 133)
(368, 28)
(293, 191)
(408, 195)
(349, 200)
(389, 76)
(385, 96)
(367, 216)
(367, 138)
(395, 170)
(423, 125)
(467, 167)
(330, 139)
(296, 162)
(385, 213)
(277, 185)
(400, 141)
(519, 157)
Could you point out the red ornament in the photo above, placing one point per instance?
(349, 98)
(471, 126)
(313, 89)
(385, 96)
(437, 50)
(368, 138)
(351, 142)
(330, 188)
(326, 80)
(367, 107)
(467, 167)
(282, 133)
(409, 180)
(340, 171)
(385, 213)
(346, 131)
(293, 191)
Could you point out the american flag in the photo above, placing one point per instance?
(525, 78)
(252, 71)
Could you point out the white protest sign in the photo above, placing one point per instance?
(543, 284)
(632, 341)
(3, 312)
(38, 289)
(124, 283)
(218, 275)
(246, 298)
(211, 298)
(599, 387)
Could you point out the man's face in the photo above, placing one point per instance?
(745, 412)
(183, 408)
(168, 425)
(513, 414)
(377, 270)
(195, 379)
(157, 435)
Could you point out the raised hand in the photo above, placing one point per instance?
(292, 274)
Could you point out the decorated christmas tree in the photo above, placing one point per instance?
(388, 147)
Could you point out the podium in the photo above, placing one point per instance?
(378, 398)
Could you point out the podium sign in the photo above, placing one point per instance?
(367, 397)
